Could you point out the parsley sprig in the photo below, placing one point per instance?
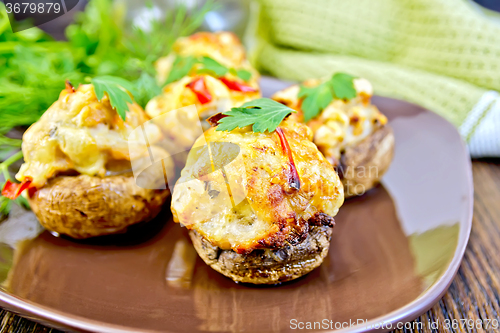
(263, 114)
(116, 89)
(182, 66)
(316, 99)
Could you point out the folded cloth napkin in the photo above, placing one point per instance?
(441, 54)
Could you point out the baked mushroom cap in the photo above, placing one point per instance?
(363, 165)
(84, 206)
(269, 266)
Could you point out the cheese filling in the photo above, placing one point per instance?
(241, 199)
(342, 123)
(80, 134)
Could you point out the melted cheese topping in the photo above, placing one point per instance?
(223, 47)
(236, 191)
(79, 133)
(341, 124)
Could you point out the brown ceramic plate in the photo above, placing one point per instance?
(394, 252)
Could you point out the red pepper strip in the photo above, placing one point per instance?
(13, 190)
(237, 86)
(9, 189)
(214, 120)
(69, 87)
(294, 180)
(200, 89)
(31, 191)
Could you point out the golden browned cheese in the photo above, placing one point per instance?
(80, 134)
(225, 48)
(342, 123)
(236, 190)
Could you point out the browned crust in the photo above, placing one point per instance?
(267, 266)
(363, 165)
(84, 206)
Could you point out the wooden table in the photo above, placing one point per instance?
(473, 295)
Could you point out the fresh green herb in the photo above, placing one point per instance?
(316, 99)
(9, 142)
(243, 74)
(146, 88)
(33, 67)
(31, 79)
(8, 146)
(343, 86)
(182, 66)
(114, 87)
(213, 67)
(6, 152)
(263, 113)
(6, 203)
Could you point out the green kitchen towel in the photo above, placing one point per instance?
(441, 54)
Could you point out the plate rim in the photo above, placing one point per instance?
(58, 319)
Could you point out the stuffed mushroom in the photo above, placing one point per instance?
(77, 169)
(260, 207)
(351, 132)
(207, 70)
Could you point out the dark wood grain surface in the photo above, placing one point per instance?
(474, 295)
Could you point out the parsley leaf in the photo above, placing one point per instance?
(146, 88)
(180, 68)
(316, 99)
(116, 89)
(343, 86)
(243, 74)
(212, 66)
(183, 65)
(263, 113)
